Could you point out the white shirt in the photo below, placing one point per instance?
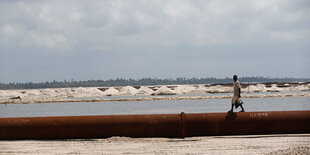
(236, 88)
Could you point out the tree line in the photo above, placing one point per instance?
(143, 81)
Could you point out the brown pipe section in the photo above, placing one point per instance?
(162, 125)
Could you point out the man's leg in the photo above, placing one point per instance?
(232, 105)
(242, 108)
(241, 105)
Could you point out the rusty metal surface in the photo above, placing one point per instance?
(248, 123)
(163, 125)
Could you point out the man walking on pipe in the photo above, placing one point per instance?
(236, 97)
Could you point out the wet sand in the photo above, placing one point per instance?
(248, 144)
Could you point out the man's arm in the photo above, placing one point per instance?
(239, 93)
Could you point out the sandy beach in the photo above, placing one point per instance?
(247, 144)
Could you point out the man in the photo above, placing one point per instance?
(236, 97)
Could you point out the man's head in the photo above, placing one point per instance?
(235, 78)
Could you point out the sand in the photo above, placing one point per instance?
(148, 93)
(249, 144)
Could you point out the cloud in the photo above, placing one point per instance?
(290, 36)
(138, 34)
(42, 40)
(165, 23)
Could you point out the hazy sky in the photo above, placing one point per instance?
(83, 40)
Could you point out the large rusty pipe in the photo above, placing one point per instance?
(161, 125)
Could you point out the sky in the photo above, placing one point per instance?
(43, 40)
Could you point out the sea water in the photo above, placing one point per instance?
(151, 107)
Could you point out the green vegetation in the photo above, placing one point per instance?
(143, 81)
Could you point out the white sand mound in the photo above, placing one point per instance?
(262, 87)
(79, 92)
(164, 90)
(47, 92)
(293, 88)
(111, 92)
(273, 88)
(2, 94)
(202, 88)
(219, 89)
(303, 87)
(252, 88)
(128, 90)
(9, 93)
(85, 92)
(185, 89)
(143, 91)
(61, 92)
(93, 91)
(13, 93)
